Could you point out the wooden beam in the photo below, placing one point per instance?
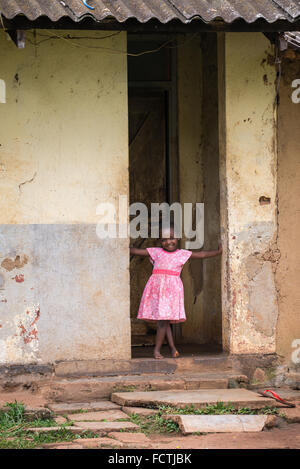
(18, 36)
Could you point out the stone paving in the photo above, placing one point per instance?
(198, 398)
(190, 424)
(212, 431)
(285, 438)
(111, 422)
(68, 408)
(105, 427)
(141, 411)
(108, 415)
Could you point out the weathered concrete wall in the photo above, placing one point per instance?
(288, 271)
(199, 180)
(64, 293)
(248, 192)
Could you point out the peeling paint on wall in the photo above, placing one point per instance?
(10, 264)
(263, 301)
(54, 171)
(248, 187)
(23, 346)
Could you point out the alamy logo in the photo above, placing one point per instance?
(296, 93)
(187, 219)
(296, 353)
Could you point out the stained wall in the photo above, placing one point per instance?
(64, 292)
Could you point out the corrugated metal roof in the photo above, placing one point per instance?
(162, 10)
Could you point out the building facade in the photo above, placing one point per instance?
(66, 101)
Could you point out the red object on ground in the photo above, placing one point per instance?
(278, 398)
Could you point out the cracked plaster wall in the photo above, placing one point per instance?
(63, 150)
(248, 171)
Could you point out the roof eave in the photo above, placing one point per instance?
(87, 22)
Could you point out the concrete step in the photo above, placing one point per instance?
(75, 407)
(198, 398)
(190, 424)
(91, 389)
(190, 364)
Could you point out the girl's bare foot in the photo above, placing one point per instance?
(158, 355)
(175, 354)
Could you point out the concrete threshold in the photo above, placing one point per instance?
(87, 389)
(201, 363)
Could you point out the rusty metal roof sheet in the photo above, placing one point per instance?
(161, 10)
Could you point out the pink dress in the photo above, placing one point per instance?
(163, 297)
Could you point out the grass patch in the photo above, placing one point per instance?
(157, 424)
(123, 388)
(154, 424)
(14, 433)
(218, 409)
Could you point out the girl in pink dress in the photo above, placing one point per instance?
(163, 298)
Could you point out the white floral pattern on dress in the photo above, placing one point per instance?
(163, 296)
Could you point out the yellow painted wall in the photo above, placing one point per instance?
(64, 126)
(248, 172)
(64, 149)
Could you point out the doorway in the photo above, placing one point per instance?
(151, 103)
(173, 157)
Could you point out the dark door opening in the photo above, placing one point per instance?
(148, 184)
(173, 157)
(151, 106)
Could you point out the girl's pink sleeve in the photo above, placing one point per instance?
(153, 253)
(184, 255)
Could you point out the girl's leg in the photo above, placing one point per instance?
(160, 335)
(169, 335)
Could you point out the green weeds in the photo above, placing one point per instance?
(218, 409)
(14, 433)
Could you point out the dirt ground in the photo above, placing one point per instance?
(286, 436)
(28, 398)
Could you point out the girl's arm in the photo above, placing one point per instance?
(204, 254)
(139, 252)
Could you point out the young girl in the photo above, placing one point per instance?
(163, 299)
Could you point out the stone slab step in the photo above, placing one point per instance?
(108, 415)
(197, 398)
(292, 415)
(105, 427)
(204, 363)
(69, 408)
(142, 411)
(189, 424)
(89, 389)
